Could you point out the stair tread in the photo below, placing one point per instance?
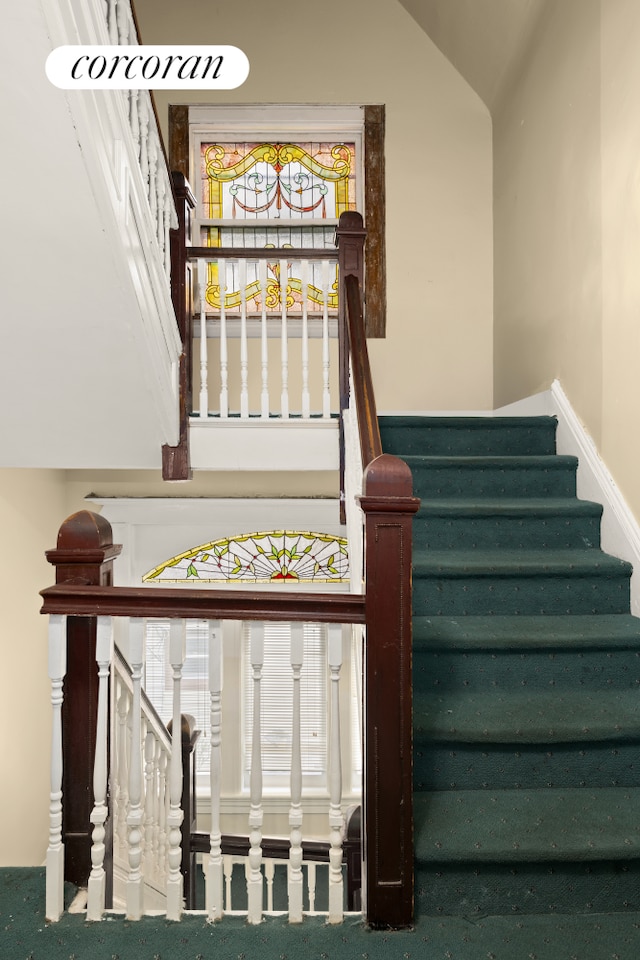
(498, 423)
(549, 461)
(604, 631)
(509, 506)
(517, 562)
(580, 824)
(517, 716)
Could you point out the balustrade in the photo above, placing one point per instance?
(120, 28)
(249, 296)
(147, 764)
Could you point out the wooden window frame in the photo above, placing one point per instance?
(374, 201)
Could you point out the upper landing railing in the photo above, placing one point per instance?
(140, 109)
(260, 328)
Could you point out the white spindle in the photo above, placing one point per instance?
(284, 343)
(269, 873)
(122, 16)
(152, 141)
(157, 805)
(264, 396)
(336, 820)
(135, 885)
(295, 878)
(144, 116)
(97, 877)
(326, 396)
(149, 798)
(215, 869)
(204, 376)
(224, 358)
(254, 882)
(134, 116)
(174, 881)
(244, 363)
(161, 189)
(162, 812)
(122, 760)
(304, 281)
(228, 876)
(113, 23)
(55, 849)
(311, 885)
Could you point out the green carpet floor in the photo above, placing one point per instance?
(526, 674)
(24, 935)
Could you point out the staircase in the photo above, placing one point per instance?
(526, 673)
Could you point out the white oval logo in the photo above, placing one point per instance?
(154, 67)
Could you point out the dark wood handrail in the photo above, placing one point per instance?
(82, 600)
(370, 443)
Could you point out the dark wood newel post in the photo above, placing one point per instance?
(84, 555)
(175, 460)
(389, 506)
(350, 238)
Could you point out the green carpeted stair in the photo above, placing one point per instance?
(526, 678)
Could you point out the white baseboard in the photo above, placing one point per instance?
(620, 530)
(538, 405)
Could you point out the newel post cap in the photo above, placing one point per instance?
(388, 486)
(84, 538)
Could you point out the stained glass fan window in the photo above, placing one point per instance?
(277, 556)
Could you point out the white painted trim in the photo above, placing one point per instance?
(277, 118)
(238, 514)
(538, 405)
(620, 530)
(283, 445)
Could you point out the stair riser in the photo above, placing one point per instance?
(476, 480)
(541, 670)
(572, 888)
(455, 766)
(530, 596)
(480, 440)
(535, 533)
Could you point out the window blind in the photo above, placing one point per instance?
(277, 704)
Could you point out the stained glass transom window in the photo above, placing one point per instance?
(274, 195)
(277, 556)
(276, 181)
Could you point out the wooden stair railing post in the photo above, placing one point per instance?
(350, 238)
(389, 506)
(175, 460)
(84, 555)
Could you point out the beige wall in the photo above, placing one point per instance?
(31, 510)
(438, 352)
(620, 42)
(567, 241)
